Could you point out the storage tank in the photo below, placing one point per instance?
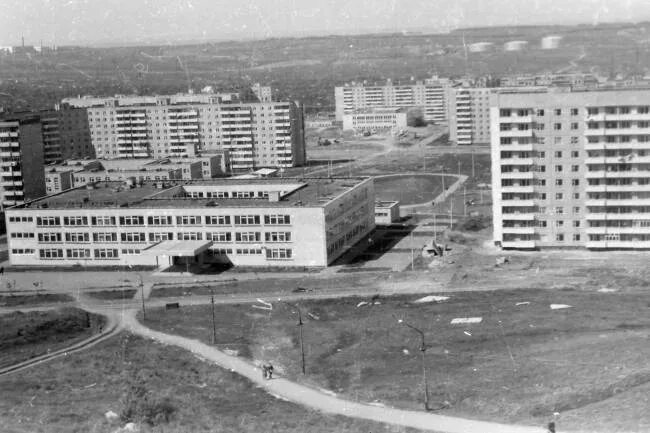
(551, 42)
(480, 47)
(515, 45)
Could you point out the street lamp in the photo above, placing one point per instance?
(300, 324)
(423, 349)
(214, 322)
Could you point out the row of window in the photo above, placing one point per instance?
(239, 220)
(523, 112)
(113, 253)
(157, 237)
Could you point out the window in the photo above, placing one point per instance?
(249, 251)
(131, 220)
(558, 154)
(558, 168)
(247, 220)
(130, 251)
(133, 237)
(22, 251)
(504, 112)
(557, 126)
(190, 236)
(559, 210)
(77, 237)
(277, 219)
(157, 237)
(219, 236)
(247, 237)
(559, 223)
(106, 253)
(575, 154)
(557, 140)
(506, 140)
(575, 182)
(575, 168)
(49, 237)
(50, 253)
(103, 220)
(576, 210)
(558, 196)
(559, 237)
(576, 223)
(188, 220)
(576, 195)
(505, 127)
(558, 111)
(220, 220)
(104, 237)
(48, 221)
(574, 111)
(574, 126)
(159, 220)
(592, 111)
(540, 112)
(75, 221)
(22, 235)
(576, 237)
(77, 253)
(277, 236)
(278, 253)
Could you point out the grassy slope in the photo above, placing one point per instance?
(72, 395)
(26, 335)
(521, 364)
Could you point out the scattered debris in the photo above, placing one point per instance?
(405, 351)
(460, 320)
(376, 303)
(111, 416)
(201, 385)
(265, 305)
(502, 260)
(467, 333)
(606, 290)
(559, 306)
(431, 298)
(522, 303)
(279, 397)
(362, 303)
(313, 316)
(231, 352)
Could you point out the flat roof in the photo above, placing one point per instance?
(300, 192)
(178, 248)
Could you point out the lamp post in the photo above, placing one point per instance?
(423, 349)
(144, 313)
(300, 324)
(214, 322)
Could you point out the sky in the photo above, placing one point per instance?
(88, 22)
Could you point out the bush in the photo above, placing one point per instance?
(139, 405)
(474, 224)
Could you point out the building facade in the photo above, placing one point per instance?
(377, 119)
(571, 169)
(257, 134)
(259, 222)
(21, 160)
(430, 95)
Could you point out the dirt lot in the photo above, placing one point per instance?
(73, 394)
(26, 335)
(522, 363)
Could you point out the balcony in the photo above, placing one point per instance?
(516, 133)
(517, 161)
(603, 117)
(521, 216)
(518, 188)
(518, 203)
(631, 216)
(617, 230)
(518, 244)
(617, 188)
(516, 119)
(518, 230)
(618, 202)
(518, 175)
(629, 145)
(618, 244)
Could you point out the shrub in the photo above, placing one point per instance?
(141, 406)
(475, 224)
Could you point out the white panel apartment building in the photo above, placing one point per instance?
(469, 112)
(431, 95)
(258, 222)
(572, 169)
(262, 134)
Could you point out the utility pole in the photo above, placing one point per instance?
(144, 313)
(300, 325)
(458, 168)
(451, 213)
(464, 201)
(473, 170)
(214, 323)
(412, 253)
(423, 350)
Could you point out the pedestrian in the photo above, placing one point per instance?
(2, 270)
(270, 370)
(551, 427)
(265, 371)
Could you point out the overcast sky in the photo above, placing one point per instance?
(119, 21)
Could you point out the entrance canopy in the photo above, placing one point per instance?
(178, 248)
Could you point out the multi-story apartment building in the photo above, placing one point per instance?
(21, 160)
(571, 169)
(578, 80)
(469, 112)
(257, 222)
(74, 132)
(50, 124)
(263, 93)
(430, 95)
(257, 134)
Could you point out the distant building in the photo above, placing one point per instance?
(386, 212)
(550, 42)
(21, 160)
(274, 222)
(552, 80)
(480, 47)
(430, 95)
(259, 134)
(515, 45)
(376, 119)
(469, 113)
(263, 93)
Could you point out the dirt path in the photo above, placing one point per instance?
(322, 401)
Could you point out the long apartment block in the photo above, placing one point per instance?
(281, 222)
(571, 169)
(430, 95)
(257, 134)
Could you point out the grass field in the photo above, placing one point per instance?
(410, 189)
(34, 299)
(26, 335)
(111, 294)
(73, 394)
(522, 363)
